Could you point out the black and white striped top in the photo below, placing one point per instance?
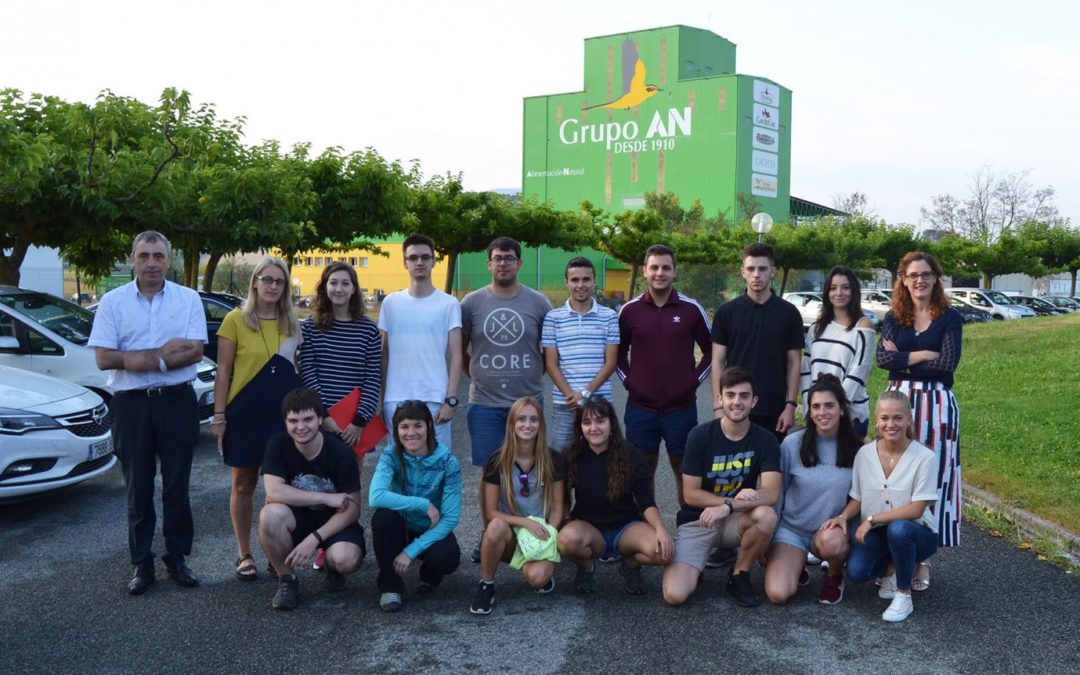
(847, 354)
(336, 361)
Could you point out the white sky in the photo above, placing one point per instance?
(900, 100)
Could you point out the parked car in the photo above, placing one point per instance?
(1063, 302)
(216, 306)
(809, 306)
(1041, 307)
(970, 314)
(997, 303)
(50, 339)
(876, 302)
(52, 433)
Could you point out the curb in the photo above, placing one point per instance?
(1028, 523)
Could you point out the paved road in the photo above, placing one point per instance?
(63, 570)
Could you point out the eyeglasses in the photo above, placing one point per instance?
(503, 259)
(420, 257)
(917, 276)
(523, 478)
(270, 281)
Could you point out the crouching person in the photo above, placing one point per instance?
(416, 494)
(312, 500)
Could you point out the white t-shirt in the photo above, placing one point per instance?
(417, 331)
(913, 479)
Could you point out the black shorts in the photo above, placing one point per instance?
(308, 520)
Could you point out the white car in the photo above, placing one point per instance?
(997, 303)
(809, 306)
(876, 302)
(52, 433)
(50, 336)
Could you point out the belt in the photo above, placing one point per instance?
(154, 392)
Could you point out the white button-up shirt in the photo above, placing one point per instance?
(127, 321)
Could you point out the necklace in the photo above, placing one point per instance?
(885, 455)
(273, 368)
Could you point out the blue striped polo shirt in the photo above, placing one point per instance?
(581, 340)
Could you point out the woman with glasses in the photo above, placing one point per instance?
(525, 499)
(841, 343)
(416, 497)
(920, 347)
(614, 510)
(256, 367)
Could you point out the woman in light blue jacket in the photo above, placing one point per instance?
(416, 497)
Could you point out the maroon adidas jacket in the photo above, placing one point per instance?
(656, 351)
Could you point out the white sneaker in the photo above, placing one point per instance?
(887, 588)
(812, 559)
(899, 609)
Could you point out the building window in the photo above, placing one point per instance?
(318, 262)
(341, 259)
(308, 261)
(352, 261)
(363, 262)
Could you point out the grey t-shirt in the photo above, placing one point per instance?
(504, 345)
(813, 494)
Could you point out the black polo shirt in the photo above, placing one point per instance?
(758, 337)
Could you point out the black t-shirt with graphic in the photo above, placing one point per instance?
(726, 466)
(332, 471)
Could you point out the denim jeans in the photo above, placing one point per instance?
(487, 430)
(646, 429)
(901, 542)
(561, 429)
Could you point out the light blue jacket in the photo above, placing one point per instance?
(434, 479)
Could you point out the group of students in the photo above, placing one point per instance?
(880, 510)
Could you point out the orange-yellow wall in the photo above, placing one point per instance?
(374, 271)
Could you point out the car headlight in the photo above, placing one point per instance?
(14, 421)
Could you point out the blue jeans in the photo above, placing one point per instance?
(646, 429)
(561, 429)
(487, 430)
(901, 542)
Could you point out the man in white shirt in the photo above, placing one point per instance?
(421, 333)
(150, 334)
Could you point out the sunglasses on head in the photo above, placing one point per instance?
(523, 478)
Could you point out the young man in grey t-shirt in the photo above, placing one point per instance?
(500, 329)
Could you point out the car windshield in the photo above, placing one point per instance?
(999, 298)
(66, 319)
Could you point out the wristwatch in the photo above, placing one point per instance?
(161, 364)
(451, 401)
(731, 506)
(793, 404)
(586, 394)
(870, 520)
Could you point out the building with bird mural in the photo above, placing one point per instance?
(662, 110)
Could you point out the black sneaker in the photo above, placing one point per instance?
(738, 585)
(334, 581)
(720, 557)
(484, 600)
(635, 585)
(583, 581)
(475, 557)
(287, 589)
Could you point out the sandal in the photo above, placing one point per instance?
(245, 568)
(918, 583)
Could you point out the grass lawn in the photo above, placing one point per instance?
(1018, 388)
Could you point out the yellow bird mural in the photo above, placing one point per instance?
(635, 90)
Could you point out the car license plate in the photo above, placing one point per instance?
(100, 449)
(208, 398)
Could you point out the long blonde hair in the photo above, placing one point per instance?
(286, 318)
(544, 465)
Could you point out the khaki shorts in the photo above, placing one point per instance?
(693, 543)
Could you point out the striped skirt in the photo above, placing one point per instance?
(937, 426)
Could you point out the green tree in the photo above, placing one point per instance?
(961, 256)
(890, 243)
(460, 221)
(73, 176)
(1056, 245)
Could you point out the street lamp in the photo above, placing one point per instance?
(762, 223)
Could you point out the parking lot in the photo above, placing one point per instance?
(63, 570)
